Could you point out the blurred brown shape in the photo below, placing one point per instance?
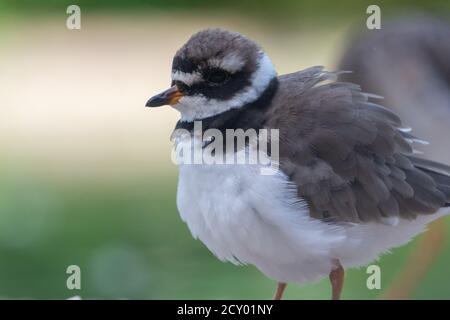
(407, 62)
(418, 263)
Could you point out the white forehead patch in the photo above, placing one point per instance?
(231, 62)
(187, 78)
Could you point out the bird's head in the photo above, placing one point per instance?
(215, 71)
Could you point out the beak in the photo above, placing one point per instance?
(170, 96)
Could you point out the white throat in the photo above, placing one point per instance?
(199, 107)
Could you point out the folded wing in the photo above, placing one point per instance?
(351, 159)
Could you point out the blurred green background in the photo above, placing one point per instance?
(85, 170)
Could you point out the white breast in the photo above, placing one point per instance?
(245, 217)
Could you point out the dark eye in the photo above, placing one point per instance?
(216, 76)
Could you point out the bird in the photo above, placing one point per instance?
(348, 185)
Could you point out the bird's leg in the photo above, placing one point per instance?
(337, 275)
(280, 290)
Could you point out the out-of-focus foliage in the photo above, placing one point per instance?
(279, 10)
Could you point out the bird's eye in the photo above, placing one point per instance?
(216, 76)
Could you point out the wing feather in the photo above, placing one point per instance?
(351, 159)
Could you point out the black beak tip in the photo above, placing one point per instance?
(148, 103)
(154, 102)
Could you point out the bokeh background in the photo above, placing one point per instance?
(85, 170)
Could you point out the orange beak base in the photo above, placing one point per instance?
(168, 97)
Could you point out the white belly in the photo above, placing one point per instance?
(245, 217)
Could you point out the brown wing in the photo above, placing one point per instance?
(347, 156)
